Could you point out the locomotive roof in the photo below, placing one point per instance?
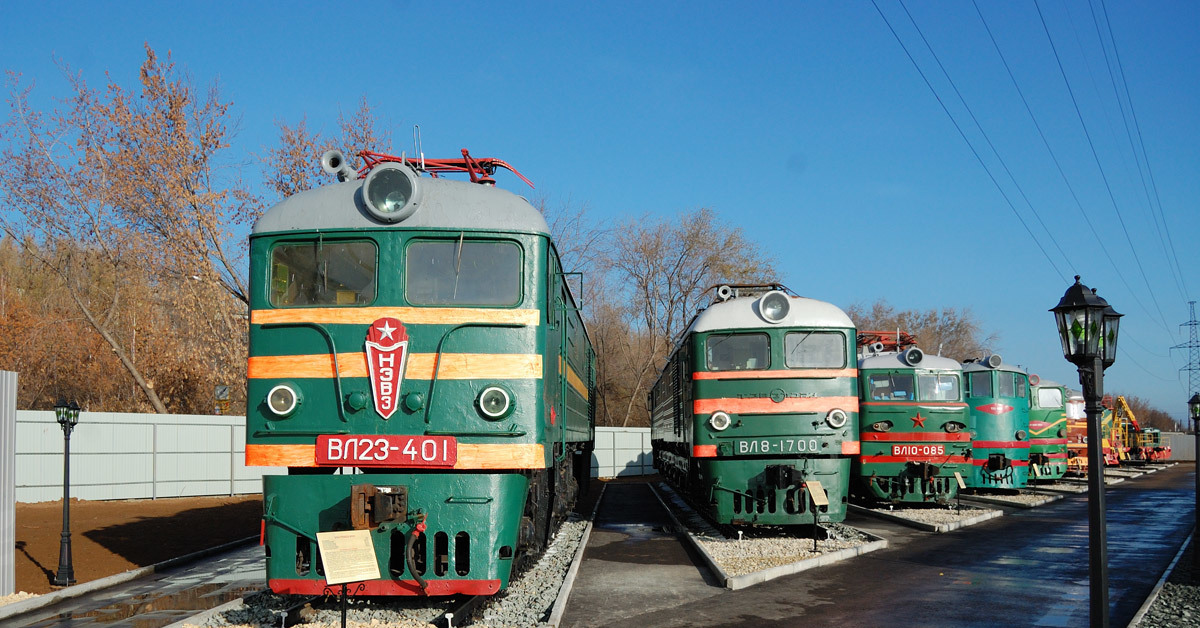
(742, 313)
(1046, 383)
(892, 360)
(968, 367)
(446, 204)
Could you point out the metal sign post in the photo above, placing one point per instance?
(8, 488)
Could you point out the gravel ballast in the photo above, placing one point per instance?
(526, 602)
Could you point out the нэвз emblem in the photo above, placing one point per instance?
(387, 354)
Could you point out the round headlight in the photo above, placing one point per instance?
(774, 306)
(952, 427)
(881, 426)
(1021, 434)
(1062, 432)
(720, 421)
(836, 418)
(494, 402)
(391, 192)
(283, 399)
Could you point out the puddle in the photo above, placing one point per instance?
(150, 610)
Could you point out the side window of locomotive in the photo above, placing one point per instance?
(891, 387)
(462, 272)
(323, 273)
(815, 350)
(738, 352)
(1049, 398)
(938, 387)
(981, 384)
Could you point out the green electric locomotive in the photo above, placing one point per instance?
(755, 415)
(998, 395)
(916, 438)
(419, 366)
(1047, 430)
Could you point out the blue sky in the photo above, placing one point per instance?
(803, 123)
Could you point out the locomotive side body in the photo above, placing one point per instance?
(750, 413)
(998, 395)
(915, 428)
(1047, 430)
(427, 380)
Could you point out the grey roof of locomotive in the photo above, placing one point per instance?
(742, 313)
(446, 204)
(892, 360)
(968, 367)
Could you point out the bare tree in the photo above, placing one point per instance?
(121, 197)
(950, 332)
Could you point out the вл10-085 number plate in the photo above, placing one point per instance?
(387, 451)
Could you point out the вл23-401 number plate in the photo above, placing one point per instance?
(386, 451)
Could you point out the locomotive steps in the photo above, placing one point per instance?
(739, 563)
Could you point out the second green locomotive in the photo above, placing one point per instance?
(755, 415)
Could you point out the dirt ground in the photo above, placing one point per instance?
(109, 537)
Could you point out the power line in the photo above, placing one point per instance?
(982, 132)
(1176, 269)
(968, 141)
(1100, 166)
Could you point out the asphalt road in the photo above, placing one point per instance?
(1027, 568)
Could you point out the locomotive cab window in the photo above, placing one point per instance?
(323, 273)
(738, 352)
(815, 350)
(981, 384)
(938, 387)
(1049, 398)
(891, 387)
(462, 272)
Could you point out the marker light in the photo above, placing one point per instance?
(720, 421)
(836, 418)
(774, 306)
(283, 399)
(494, 402)
(391, 192)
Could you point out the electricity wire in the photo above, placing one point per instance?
(1103, 174)
(982, 132)
(1177, 270)
(968, 141)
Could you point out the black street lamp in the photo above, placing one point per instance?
(67, 416)
(1194, 413)
(1087, 326)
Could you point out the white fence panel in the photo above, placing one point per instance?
(134, 456)
(622, 451)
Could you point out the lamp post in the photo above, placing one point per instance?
(1194, 413)
(1087, 327)
(67, 416)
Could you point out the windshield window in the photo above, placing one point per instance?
(1049, 398)
(891, 387)
(738, 352)
(1022, 384)
(938, 387)
(462, 272)
(814, 349)
(981, 384)
(322, 273)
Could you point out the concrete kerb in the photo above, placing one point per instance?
(927, 527)
(79, 590)
(564, 592)
(993, 501)
(196, 620)
(1145, 608)
(733, 583)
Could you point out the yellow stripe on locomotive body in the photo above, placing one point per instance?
(421, 331)
(757, 405)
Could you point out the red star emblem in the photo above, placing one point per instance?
(918, 421)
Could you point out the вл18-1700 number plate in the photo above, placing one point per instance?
(387, 451)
